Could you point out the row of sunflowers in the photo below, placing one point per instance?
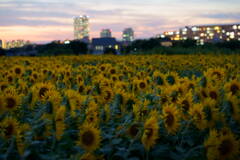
(179, 107)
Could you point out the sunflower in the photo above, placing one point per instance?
(228, 147)
(211, 112)
(89, 137)
(133, 130)
(18, 70)
(171, 78)
(222, 146)
(150, 133)
(159, 78)
(9, 127)
(171, 118)
(213, 93)
(232, 87)
(215, 74)
(39, 91)
(54, 97)
(185, 102)
(233, 104)
(106, 95)
(142, 85)
(11, 101)
(198, 116)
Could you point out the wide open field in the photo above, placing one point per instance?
(120, 107)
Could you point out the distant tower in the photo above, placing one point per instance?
(106, 33)
(128, 35)
(81, 27)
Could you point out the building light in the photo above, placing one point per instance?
(109, 46)
(235, 27)
(239, 39)
(211, 34)
(223, 31)
(116, 47)
(184, 29)
(201, 42)
(239, 27)
(184, 33)
(194, 29)
(162, 36)
(239, 33)
(217, 28)
(196, 37)
(228, 39)
(184, 38)
(208, 28)
(177, 32)
(228, 33)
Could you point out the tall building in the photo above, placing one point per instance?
(106, 33)
(81, 27)
(15, 44)
(206, 33)
(128, 35)
(1, 43)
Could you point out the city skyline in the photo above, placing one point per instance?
(44, 21)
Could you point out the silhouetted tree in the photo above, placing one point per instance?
(2, 52)
(79, 47)
(110, 51)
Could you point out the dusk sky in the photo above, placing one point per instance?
(47, 20)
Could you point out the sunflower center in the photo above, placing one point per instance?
(133, 131)
(17, 70)
(225, 147)
(107, 95)
(169, 119)
(112, 71)
(102, 68)
(198, 116)
(9, 130)
(42, 91)
(11, 103)
(142, 85)
(234, 88)
(186, 105)
(213, 95)
(81, 89)
(88, 138)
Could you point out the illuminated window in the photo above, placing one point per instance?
(227, 33)
(184, 32)
(116, 47)
(194, 29)
(239, 27)
(162, 36)
(211, 34)
(202, 34)
(223, 31)
(196, 37)
(235, 27)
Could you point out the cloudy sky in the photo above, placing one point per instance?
(47, 20)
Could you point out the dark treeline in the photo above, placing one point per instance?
(145, 46)
(153, 46)
(50, 49)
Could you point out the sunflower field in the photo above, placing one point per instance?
(136, 107)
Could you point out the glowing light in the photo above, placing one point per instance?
(235, 27)
(194, 29)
